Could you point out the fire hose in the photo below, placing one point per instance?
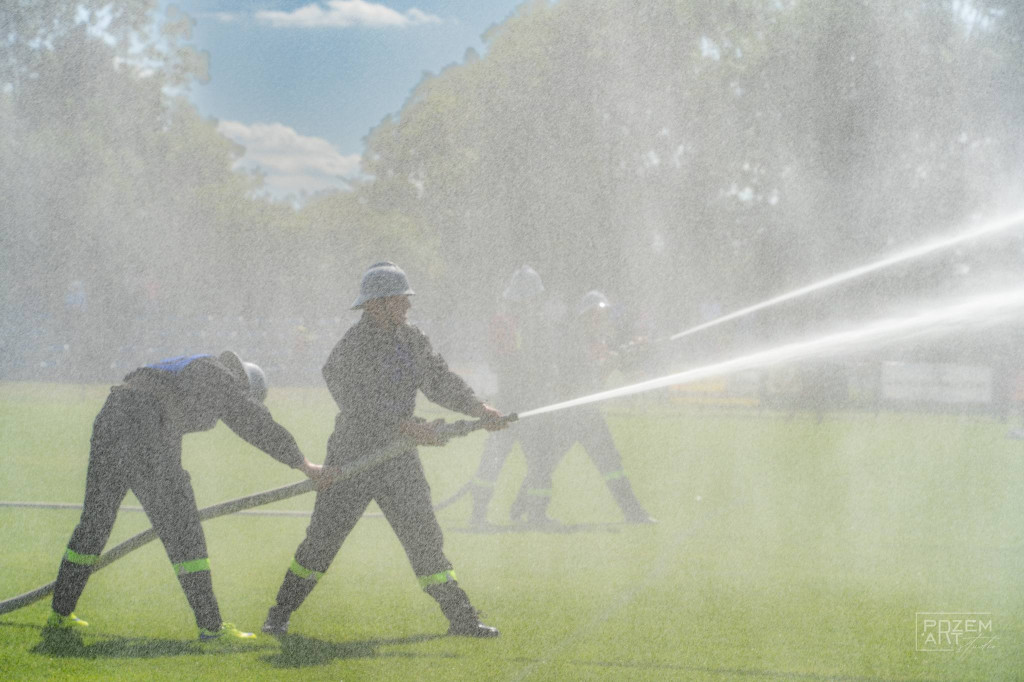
(393, 449)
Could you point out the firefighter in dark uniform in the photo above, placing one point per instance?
(374, 374)
(522, 358)
(587, 358)
(136, 445)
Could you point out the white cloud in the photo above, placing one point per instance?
(345, 13)
(222, 17)
(291, 163)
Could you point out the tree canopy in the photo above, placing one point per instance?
(678, 154)
(684, 151)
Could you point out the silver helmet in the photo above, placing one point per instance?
(524, 285)
(380, 281)
(250, 373)
(591, 301)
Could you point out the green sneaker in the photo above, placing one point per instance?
(226, 635)
(70, 622)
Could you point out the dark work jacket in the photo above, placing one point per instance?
(195, 392)
(373, 374)
(585, 362)
(522, 355)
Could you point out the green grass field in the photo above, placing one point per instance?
(785, 549)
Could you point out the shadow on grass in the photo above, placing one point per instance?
(293, 651)
(298, 651)
(549, 528)
(70, 644)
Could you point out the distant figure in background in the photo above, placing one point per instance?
(136, 445)
(587, 358)
(374, 374)
(522, 356)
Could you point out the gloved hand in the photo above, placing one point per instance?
(492, 419)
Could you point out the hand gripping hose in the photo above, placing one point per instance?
(389, 451)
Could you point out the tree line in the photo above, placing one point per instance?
(682, 155)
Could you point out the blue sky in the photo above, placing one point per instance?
(301, 83)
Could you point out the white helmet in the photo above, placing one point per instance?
(254, 377)
(380, 281)
(592, 300)
(524, 285)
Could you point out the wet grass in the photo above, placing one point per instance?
(786, 549)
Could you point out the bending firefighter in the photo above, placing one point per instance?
(136, 445)
(374, 374)
(588, 358)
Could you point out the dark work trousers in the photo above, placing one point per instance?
(536, 445)
(133, 448)
(400, 489)
(588, 427)
(584, 425)
(403, 494)
(497, 448)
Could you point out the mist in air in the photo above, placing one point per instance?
(829, 170)
(687, 159)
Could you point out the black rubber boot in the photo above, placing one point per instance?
(537, 512)
(463, 619)
(518, 508)
(632, 510)
(290, 596)
(482, 495)
(277, 621)
(198, 589)
(71, 580)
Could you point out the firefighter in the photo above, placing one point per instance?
(588, 357)
(136, 445)
(374, 374)
(522, 357)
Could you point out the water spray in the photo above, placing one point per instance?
(1013, 220)
(990, 307)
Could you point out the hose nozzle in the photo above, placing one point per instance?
(464, 427)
